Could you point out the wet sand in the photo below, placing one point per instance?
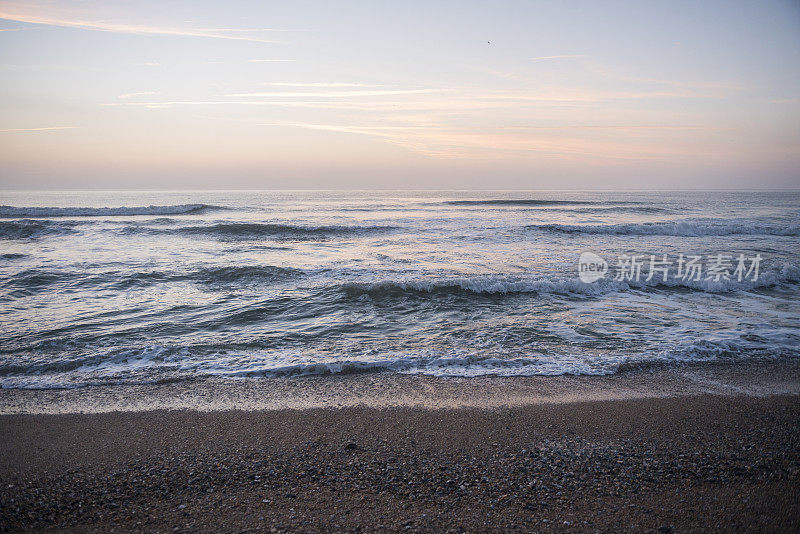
(388, 390)
(699, 462)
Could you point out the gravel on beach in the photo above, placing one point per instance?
(699, 463)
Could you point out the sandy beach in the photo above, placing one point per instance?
(698, 462)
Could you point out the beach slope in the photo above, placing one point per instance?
(696, 463)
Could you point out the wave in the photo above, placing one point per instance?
(470, 365)
(477, 286)
(567, 206)
(682, 228)
(716, 350)
(155, 364)
(247, 274)
(621, 209)
(476, 365)
(13, 256)
(776, 276)
(519, 202)
(31, 281)
(286, 231)
(179, 209)
(32, 229)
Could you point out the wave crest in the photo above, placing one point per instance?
(179, 209)
(518, 202)
(32, 229)
(241, 230)
(157, 363)
(31, 281)
(480, 285)
(681, 228)
(779, 275)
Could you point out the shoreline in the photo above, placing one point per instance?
(672, 464)
(389, 390)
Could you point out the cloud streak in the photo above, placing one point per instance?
(234, 34)
(561, 56)
(445, 100)
(334, 94)
(322, 84)
(47, 128)
(443, 141)
(133, 95)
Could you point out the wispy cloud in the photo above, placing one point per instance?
(270, 60)
(9, 130)
(322, 84)
(447, 141)
(654, 127)
(588, 96)
(236, 34)
(470, 122)
(561, 56)
(382, 106)
(335, 94)
(608, 72)
(250, 30)
(133, 95)
(383, 131)
(424, 100)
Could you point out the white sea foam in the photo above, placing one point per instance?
(488, 285)
(156, 363)
(466, 365)
(482, 285)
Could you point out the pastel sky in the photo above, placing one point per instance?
(388, 94)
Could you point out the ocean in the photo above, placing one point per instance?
(103, 288)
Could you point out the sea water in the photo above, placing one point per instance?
(139, 287)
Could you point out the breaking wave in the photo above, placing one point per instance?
(474, 365)
(717, 350)
(158, 363)
(683, 228)
(289, 231)
(179, 209)
(785, 274)
(621, 209)
(518, 202)
(31, 281)
(470, 365)
(477, 286)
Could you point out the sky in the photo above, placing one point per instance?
(399, 95)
